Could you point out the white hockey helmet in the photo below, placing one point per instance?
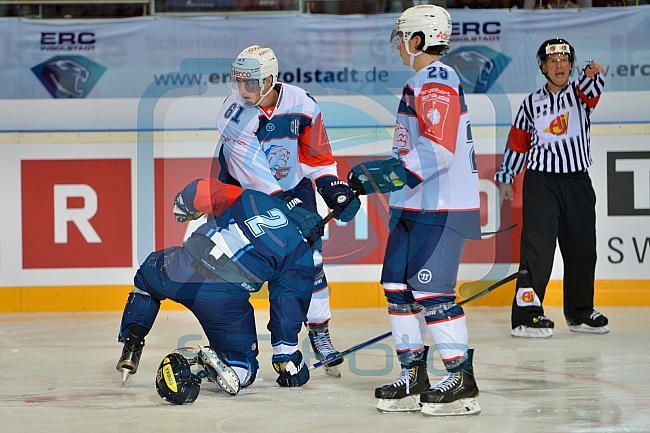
(255, 64)
(433, 21)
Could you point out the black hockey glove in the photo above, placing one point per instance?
(378, 176)
(308, 222)
(295, 372)
(341, 199)
(183, 212)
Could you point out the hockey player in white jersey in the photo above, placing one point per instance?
(273, 140)
(433, 154)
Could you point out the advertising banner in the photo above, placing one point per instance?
(104, 121)
(493, 51)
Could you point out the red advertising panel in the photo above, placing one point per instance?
(171, 175)
(343, 245)
(504, 247)
(76, 213)
(363, 240)
(346, 244)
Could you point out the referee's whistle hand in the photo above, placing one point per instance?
(594, 68)
(505, 192)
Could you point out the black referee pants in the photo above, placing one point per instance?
(562, 207)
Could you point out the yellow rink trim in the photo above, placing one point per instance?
(633, 293)
(67, 137)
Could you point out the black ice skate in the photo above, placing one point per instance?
(131, 352)
(403, 395)
(455, 394)
(590, 322)
(537, 327)
(321, 344)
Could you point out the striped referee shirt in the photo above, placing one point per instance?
(551, 131)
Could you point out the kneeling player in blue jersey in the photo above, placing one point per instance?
(253, 239)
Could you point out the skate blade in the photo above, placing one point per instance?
(224, 376)
(410, 403)
(588, 329)
(462, 407)
(229, 381)
(528, 332)
(125, 376)
(332, 371)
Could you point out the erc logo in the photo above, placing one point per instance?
(69, 76)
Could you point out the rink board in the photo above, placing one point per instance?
(343, 295)
(49, 266)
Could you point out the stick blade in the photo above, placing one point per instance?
(472, 288)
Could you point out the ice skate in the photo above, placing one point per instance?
(218, 371)
(131, 353)
(591, 323)
(403, 394)
(455, 394)
(538, 327)
(321, 344)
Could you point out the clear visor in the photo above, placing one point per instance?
(395, 38)
(557, 58)
(248, 85)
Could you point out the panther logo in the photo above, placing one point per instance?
(68, 77)
(478, 67)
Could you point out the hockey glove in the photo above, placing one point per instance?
(183, 212)
(341, 199)
(294, 373)
(308, 222)
(378, 176)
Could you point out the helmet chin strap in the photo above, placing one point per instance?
(411, 55)
(264, 95)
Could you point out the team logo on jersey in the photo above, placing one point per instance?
(278, 158)
(558, 126)
(435, 101)
(434, 116)
(270, 127)
(478, 67)
(68, 76)
(295, 124)
(424, 276)
(401, 138)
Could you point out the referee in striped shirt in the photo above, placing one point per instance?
(550, 137)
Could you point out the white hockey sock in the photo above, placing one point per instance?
(319, 308)
(450, 337)
(408, 331)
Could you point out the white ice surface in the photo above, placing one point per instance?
(58, 375)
